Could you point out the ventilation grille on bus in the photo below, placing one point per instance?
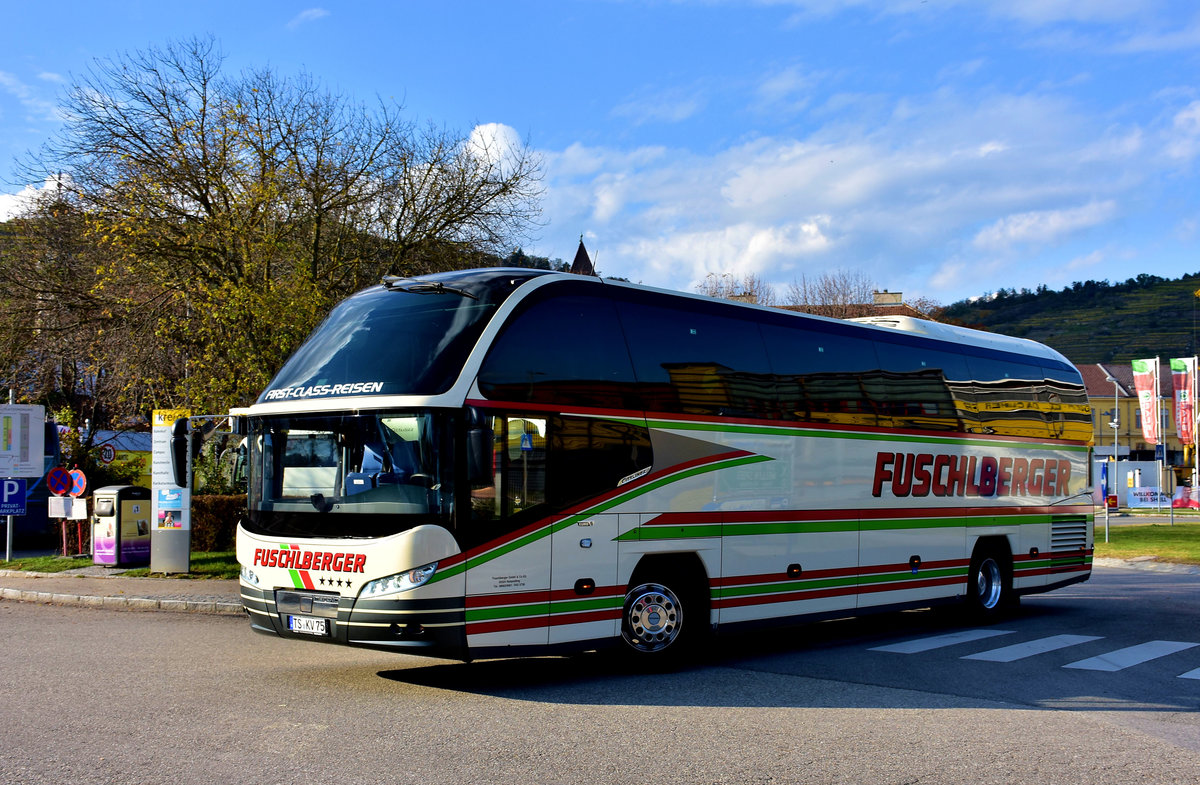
(1068, 533)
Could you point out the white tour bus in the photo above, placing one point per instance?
(498, 462)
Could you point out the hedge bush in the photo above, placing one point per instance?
(215, 520)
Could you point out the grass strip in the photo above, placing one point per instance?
(203, 564)
(1179, 543)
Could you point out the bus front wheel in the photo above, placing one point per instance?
(652, 619)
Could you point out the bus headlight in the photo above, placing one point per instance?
(401, 581)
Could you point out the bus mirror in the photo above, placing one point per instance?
(179, 452)
(479, 453)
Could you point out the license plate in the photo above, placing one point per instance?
(308, 625)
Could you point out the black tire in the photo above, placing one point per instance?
(663, 620)
(989, 584)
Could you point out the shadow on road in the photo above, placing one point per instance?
(822, 663)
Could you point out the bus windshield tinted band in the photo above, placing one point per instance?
(401, 340)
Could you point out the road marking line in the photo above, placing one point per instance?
(1131, 655)
(940, 641)
(1022, 650)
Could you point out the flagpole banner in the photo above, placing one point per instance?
(1145, 382)
(1183, 375)
(1187, 498)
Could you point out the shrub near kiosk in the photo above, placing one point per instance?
(521, 462)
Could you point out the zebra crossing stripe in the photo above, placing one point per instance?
(1131, 655)
(1029, 649)
(940, 641)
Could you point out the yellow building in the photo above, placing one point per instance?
(1110, 388)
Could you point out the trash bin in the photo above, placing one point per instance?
(121, 526)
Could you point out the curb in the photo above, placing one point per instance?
(1147, 564)
(218, 608)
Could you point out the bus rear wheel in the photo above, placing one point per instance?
(989, 585)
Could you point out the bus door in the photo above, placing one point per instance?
(585, 602)
(508, 572)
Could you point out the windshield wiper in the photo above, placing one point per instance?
(397, 283)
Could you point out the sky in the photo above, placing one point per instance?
(940, 148)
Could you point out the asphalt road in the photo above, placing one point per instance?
(128, 697)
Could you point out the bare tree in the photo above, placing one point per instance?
(232, 210)
(926, 306)
(750, 289)
(840, 294)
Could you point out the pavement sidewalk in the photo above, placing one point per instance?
(93, 587)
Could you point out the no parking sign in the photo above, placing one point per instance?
(59, 481)
(78, 482)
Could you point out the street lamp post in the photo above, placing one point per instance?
(1115, 425)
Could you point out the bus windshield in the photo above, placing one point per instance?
(406, 337)
(359, 475)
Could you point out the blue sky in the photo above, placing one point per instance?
(943, 148)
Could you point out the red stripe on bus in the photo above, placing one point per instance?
(841, 572)
(510, 598)
(783, 516)
(583, 507)
(506, 625)
(837, 591)
(533, 622)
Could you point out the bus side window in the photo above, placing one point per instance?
(698, 358)
(823, 376)
(568, 351)
(518, 476)
(1008, 395)
(924, 387)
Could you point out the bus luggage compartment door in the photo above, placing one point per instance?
(585, 602)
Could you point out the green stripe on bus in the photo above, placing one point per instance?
(581, 605)
(571, 520)
(735, 529)
(508, 612)
(833, 583)
(544, 609)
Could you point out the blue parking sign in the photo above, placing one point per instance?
(12, 497)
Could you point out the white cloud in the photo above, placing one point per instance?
(495, 144)
(1042, 12)
(1157, 41)
(740, 249)
(306, 16)
(1043, 227)
(1183, 141)
(41, 108)
(788, 90)
(929, 193)
(13, 205)
(1086, 262)
(671, 106)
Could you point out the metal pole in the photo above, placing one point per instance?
(1159, 430)
(1112, 475)
(1195, 371)
(8, 529)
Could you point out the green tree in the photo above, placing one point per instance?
(227, 213)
